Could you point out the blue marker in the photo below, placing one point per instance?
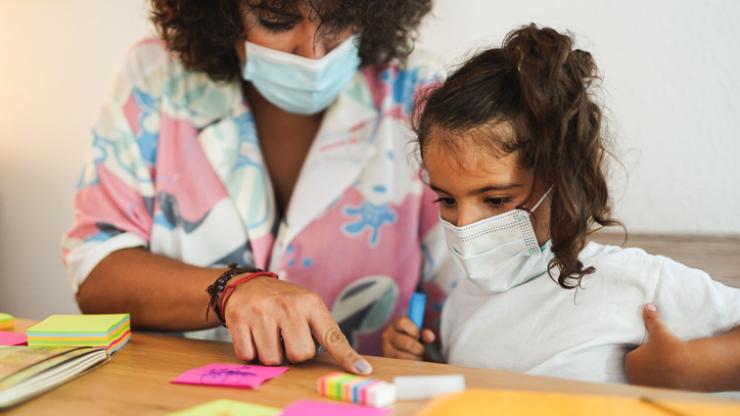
(416, 308)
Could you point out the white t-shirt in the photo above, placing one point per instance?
(540, 328)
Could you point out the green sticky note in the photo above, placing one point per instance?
(79, 324)
(5, 317)
(225, 407)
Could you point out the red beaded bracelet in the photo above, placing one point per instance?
(229, 289)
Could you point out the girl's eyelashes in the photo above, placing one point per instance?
(497, 202)
(494, 202)
(445, 201)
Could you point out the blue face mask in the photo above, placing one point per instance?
(297, 84)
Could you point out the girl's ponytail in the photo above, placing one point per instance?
(568, 148)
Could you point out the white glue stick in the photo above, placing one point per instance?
(423, 387)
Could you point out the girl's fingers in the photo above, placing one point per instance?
(404, 324)
(406, 344)
(428, 336)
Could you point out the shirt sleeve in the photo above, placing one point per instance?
(114, 199)
(692, 304)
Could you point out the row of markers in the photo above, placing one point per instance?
(355, 389)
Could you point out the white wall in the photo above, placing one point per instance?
(57, 63)
(672, 84)
(670, 78)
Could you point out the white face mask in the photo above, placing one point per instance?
(298, 84)
(499, 252)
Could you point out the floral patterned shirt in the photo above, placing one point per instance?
(175, 166)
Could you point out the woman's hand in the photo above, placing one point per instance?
(401, 340)
(266, 315)
(664, 360)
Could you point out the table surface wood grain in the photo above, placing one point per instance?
(137, 381)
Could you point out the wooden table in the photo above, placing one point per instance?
(137, 381)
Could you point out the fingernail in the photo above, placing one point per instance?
(651, 307)
(363, 367)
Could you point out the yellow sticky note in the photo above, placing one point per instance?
(76, 324)
(225, 407)
(519, 403)
(6, 321)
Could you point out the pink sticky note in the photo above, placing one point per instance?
(316, 408)
(229, 375)
(13, 338)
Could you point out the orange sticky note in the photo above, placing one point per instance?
(520, 403)
(6, 321)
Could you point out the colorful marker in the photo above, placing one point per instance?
(416, 309)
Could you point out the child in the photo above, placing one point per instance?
(513, 146)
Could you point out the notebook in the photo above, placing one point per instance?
(26, 372)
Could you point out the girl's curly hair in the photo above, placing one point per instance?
(203, 33)
(538, 84)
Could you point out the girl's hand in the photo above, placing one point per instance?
(401, 340)
(663, 360)
(703, 364)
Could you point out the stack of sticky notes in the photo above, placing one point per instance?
(355, 389)
(6, 321)
(105, 331)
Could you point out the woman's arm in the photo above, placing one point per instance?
(159, 292)
(704, 364)
(269, 319)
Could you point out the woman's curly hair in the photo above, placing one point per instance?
(203, 33)
(538, 84)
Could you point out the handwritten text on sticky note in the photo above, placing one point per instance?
(229, 375)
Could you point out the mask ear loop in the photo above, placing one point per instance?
(542, 198)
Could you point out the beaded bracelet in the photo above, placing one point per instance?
(226, 294)
(217, 287)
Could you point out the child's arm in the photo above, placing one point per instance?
(704, 364)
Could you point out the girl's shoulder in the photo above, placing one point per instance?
(597, 252)
(623, 265)
(635, 266)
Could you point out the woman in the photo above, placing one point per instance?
(271, 134)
